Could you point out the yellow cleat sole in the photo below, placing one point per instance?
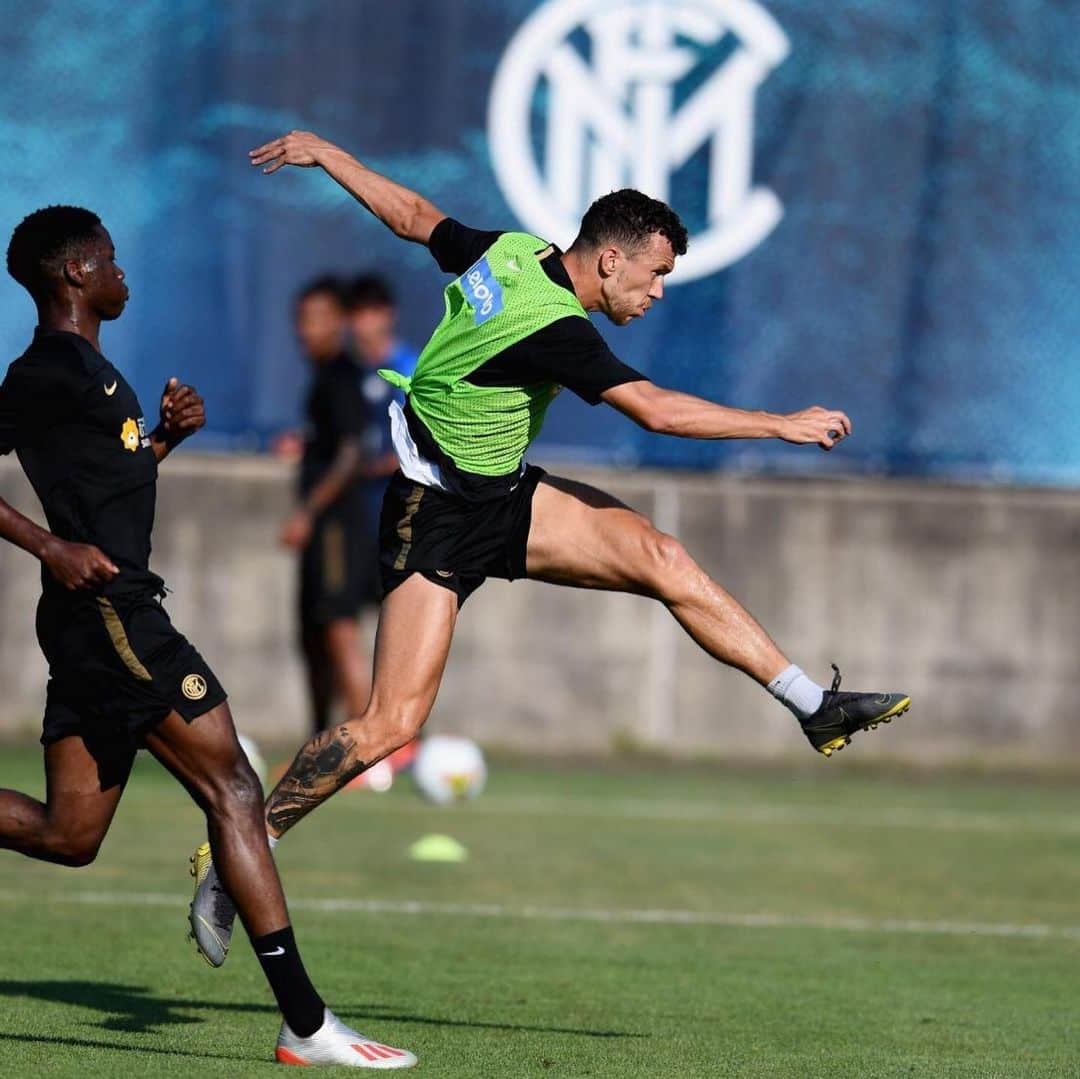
(898, 709)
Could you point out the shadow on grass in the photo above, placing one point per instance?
(380, 1015)
(131, 1009)
(87, 1043)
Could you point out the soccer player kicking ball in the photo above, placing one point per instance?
(465, 506)
(120, 676)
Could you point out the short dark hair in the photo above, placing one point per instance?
(629, 218)
(44, 240)
(324, 285)
(370, 290)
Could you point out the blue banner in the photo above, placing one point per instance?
(883, 199)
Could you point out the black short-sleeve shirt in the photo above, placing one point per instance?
(569, 352)
(80, 435)
(333, 412)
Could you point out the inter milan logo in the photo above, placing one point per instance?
(594, 95)
(194, 687)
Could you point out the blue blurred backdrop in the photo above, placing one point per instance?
(923, 275)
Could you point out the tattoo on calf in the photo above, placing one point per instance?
(323, 765)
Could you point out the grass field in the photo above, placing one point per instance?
(632, 920)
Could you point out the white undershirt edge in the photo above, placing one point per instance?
(413, 463)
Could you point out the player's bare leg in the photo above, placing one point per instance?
(206, 757)
(416, 626)
(583, 537)
(68, 827)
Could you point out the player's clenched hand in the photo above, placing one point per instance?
(296, 531)
(182, 411)
(77, 565)
(296, 148)
(825, 426)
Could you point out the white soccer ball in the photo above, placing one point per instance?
(449, 769)
(379, 777)
(255, 758)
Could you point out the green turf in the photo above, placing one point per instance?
(511, 972)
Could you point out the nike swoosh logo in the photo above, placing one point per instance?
(110, 390)
(279, 950)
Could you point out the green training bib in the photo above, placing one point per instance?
(500, 300)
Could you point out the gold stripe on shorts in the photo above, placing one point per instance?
(404, 526)
(119, 638)
(334, 557)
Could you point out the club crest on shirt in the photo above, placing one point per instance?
(133, 434)
(194, 687)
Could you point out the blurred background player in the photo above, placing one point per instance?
(372, 317)
(331, 526)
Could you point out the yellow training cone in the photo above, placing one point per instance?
(437, 848)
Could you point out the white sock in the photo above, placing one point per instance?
(802, 695)
(273, 840)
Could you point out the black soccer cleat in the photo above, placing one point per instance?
(842, 714)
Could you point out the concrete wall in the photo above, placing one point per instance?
(965, 598)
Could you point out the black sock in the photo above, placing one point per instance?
(300, 1005)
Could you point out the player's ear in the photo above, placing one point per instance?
(74, 272)
(608, 261)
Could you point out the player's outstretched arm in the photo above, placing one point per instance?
(404, 212)
(74, 565)
(670, 412)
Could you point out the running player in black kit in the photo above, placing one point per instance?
(120, 676)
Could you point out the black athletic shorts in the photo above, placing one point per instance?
(117, 668)
(339, 569)
(451, 541)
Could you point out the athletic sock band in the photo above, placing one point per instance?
(301, 1007)
(800, 694)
